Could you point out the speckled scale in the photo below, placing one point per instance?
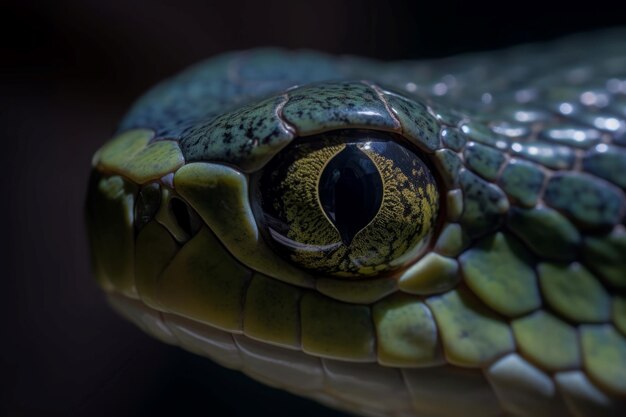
(452, 138)
(546, 232)
(329, 106)
(417, 124)
(446, 116)
(248, 137)
(484, 204)
(483, 160)
(522, 181)
(482, 134)
(450, 166)
(590, 202)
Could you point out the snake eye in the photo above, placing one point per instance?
(347, 203)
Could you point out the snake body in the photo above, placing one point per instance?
(517, 306)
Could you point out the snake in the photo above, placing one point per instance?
(420, 238)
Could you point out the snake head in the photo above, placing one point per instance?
(394, 246)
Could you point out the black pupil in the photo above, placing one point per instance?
(350, 191)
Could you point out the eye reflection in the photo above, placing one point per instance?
(348, 203)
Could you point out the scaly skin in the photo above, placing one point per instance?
(518, 305)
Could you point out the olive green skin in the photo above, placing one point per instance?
(523, 284)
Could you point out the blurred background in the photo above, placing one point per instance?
(68, 72)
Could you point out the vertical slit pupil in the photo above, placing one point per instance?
(350, 191)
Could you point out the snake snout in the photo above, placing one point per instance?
(119, 211)
(110, 225)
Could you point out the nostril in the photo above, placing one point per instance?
(186, 218)
(179, 209)
(147, 204)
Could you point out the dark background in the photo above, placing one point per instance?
(68, 72)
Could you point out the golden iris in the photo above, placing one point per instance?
(347, 203)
